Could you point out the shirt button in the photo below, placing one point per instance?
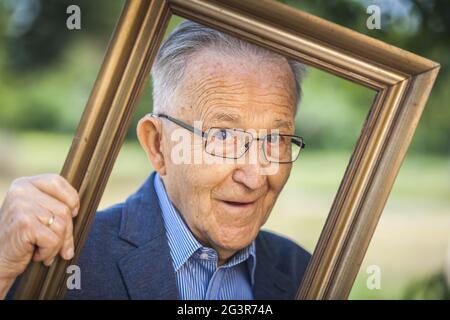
(204, 256)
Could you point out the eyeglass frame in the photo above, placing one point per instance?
(204, 135)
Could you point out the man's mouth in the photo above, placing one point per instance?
(238, 203)
(238, 206)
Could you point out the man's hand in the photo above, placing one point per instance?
(35, 223)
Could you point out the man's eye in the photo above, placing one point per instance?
(222, 134)
(272, 138)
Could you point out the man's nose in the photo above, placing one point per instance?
(250, 175)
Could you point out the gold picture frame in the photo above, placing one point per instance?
(402, 81)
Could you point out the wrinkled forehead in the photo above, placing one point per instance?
(237, 89)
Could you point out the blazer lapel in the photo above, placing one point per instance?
(148, 273)
(270, 283)
(147, 270)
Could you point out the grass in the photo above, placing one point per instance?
(409, 244)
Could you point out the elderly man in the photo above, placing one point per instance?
(192, 231)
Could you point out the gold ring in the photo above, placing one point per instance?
(51, 220)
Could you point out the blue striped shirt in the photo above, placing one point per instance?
(197, 274)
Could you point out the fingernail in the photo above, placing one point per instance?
(51, 262)
(69, 253)
(75, 212)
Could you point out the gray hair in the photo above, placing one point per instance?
(190, 37)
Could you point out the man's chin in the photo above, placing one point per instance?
(235, 240)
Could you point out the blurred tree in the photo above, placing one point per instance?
(47, 70)
(38, 34)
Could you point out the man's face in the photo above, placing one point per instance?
(225, 204)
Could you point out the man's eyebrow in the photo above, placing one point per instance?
(221, 117)
(224, 117)
(279, 123)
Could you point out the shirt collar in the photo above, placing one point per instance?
(183, 244)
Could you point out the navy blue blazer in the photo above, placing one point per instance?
(126, 256)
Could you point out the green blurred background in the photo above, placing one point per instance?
(47, 72)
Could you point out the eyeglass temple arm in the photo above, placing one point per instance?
(181, 124)
(299, 142)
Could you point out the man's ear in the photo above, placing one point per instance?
(149, 132)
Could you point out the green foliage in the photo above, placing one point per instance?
(434, 287)
(47, 72)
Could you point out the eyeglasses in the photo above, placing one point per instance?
(234, 143)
